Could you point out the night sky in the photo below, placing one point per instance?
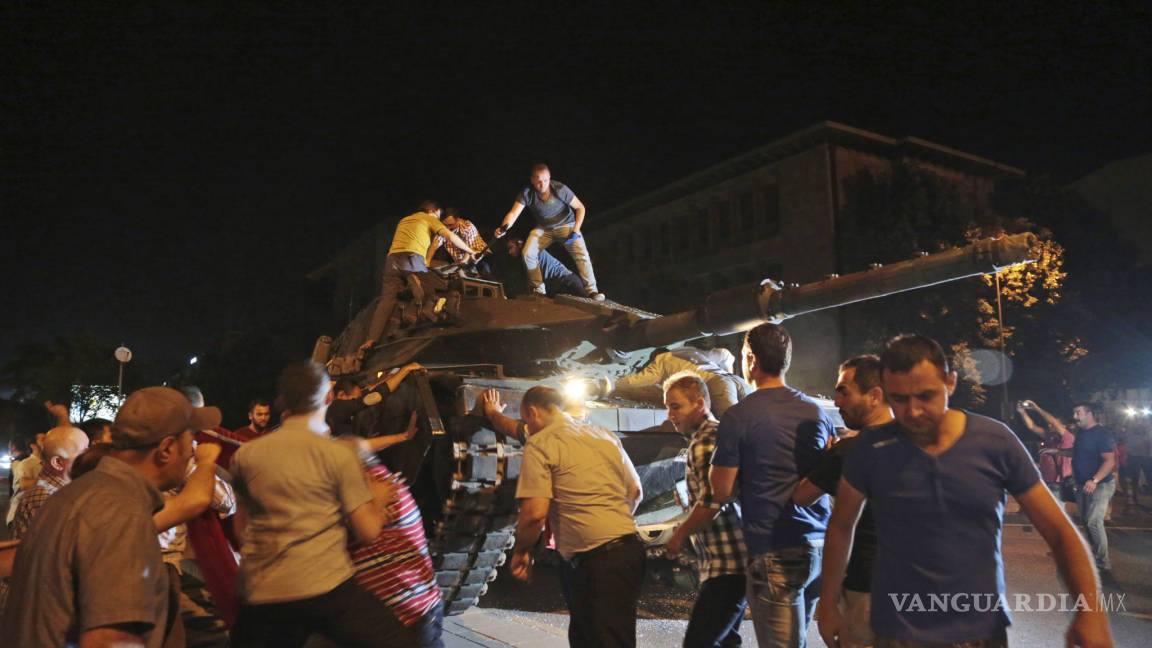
(172, 173)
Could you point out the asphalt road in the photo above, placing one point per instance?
(519, 614)
(533, 614)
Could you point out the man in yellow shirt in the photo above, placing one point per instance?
(411, 247)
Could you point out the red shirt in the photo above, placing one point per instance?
(247, 433)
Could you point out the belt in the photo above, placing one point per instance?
(611, 544)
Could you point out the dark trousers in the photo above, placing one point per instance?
(396, 268)
(605, 590)
(348, 615)
(717, 614)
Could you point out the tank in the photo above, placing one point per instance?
(470, 337)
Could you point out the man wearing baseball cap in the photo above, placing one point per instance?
(89, 571)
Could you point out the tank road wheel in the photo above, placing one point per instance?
(469, 543)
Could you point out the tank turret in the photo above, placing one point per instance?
(469, 337)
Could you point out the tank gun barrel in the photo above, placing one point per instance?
(742, 307)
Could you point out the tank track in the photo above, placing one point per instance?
(469, 544)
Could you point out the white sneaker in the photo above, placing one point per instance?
(597, 296)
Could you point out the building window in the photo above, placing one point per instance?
(723, 213)
(686, 232)
(770, 209)
(747, 212)
(703, 229)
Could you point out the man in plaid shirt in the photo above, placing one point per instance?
(61, 447)
(462, 228)
(714, 527)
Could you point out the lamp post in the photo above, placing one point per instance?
(123, 356)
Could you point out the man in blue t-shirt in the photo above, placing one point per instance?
(765, 444)
(559, 215)
(1093, 461)
(936, 479)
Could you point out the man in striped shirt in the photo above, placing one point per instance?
(713, 526)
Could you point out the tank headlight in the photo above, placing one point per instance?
(576, 390)
(1130, 412)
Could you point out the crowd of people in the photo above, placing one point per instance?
(298, 531)
(920, 489)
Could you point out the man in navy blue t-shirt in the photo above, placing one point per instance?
(1093, 461)
(765, 444)
(936, 479)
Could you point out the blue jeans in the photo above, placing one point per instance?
(717, 614)
(1093, 507)
(783, 587)
(539, 239)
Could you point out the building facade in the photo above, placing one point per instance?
(793, 210)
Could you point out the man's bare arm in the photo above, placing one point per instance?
(723, 482)
(494, 409)
(509, 219)
(635, 490)
(1052, 420)
(125, 636)
(697, 521)
(196, 496)
(580, 210)
(1029, 423)
(1073, 561)
(60, 412)
(1106, 468)
(837, 547)
(806, 493)
(366, 521)
(529, 525)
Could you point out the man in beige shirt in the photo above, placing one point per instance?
(578, 477)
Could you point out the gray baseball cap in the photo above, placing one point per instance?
(149, 415)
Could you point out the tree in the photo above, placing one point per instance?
(76, 369)
(890, 218)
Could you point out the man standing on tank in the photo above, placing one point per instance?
(559, 216)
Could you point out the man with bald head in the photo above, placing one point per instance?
(61, 447)
(89, 571)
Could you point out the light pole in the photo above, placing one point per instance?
(123, 356)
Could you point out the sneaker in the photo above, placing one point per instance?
(597, 296)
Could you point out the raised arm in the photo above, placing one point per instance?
(1029, 423)
(198, 493)
(393, 380)
(494, 410)
(60, 412)
(1052, 420)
